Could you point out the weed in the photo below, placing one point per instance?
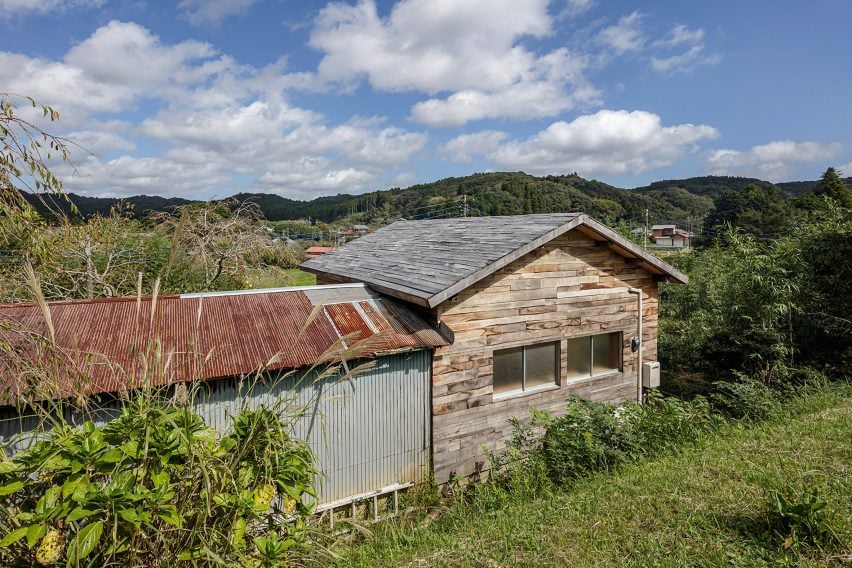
(744, 399)
(589, 437)
(154, 485)
(799, 519)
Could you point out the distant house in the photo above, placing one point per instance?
(360, 229)
(537, 308)
(314, 252)
(668, 236)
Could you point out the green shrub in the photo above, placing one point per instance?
(744, 399)
(155, 486)
(591, 436)
(521, 468)
(599, 436)
(667, 423)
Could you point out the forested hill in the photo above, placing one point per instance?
(501, 193)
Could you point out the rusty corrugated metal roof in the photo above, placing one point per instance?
(113, 344)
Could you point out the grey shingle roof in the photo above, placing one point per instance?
(428, 261)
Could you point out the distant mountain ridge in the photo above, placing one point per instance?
(498, 193)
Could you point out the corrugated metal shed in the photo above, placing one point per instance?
(124, 343)
(367, 432)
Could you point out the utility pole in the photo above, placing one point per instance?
(645, 234)
(464, 207)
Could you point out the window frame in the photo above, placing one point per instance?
(524, 390)
(591, 357)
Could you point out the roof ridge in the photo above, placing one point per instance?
(400, 259)
(186, 296)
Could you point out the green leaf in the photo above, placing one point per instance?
(131, 449)
(48, 500)
(170, 515)
(71, 484)
(85, 542)
(8, 466)
(13, 537)
(122, 483)
(238, 539)
(187, 555)
(10, 488)
(160, 478)
(80, 513)
(129, 515)
(112, 456)
(34, 533)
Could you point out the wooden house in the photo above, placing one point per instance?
(470, 322)
(536, 307)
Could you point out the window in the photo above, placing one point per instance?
(594, 355)
(524, 368)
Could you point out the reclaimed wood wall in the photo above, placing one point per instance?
(569, 287)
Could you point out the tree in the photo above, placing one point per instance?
(759, 211)
(25, 149)
(832, 186)
(220, 235)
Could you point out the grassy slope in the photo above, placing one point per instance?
(704, 507)
(275, 277)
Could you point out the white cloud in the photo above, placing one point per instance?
(464, 147)
(126, 54)
(10, 8)
(429, 45)
(178, 173)
(120, 63)
(535, 100)
(682, 37)
(98, 143)
(685, 62)
(309, 175)
(471, 50)
(212, 12)
(529, 99)
(626, 35)
(574, 8)
(845, 170)
(225, 126)
(605, 143)
(405, 179)
(773, 161)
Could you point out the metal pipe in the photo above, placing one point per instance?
(638, 292)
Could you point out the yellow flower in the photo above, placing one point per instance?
(289, 505)
(264, 494)
(51, 547)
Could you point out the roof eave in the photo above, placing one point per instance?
(375, 285)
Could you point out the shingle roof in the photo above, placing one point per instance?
(429, 261)
(102, 343)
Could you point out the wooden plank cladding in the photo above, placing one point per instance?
(566, 288)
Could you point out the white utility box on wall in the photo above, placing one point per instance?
(651, 374)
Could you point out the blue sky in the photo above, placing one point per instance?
(204, 98)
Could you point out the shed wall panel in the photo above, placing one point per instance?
(366, 432)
